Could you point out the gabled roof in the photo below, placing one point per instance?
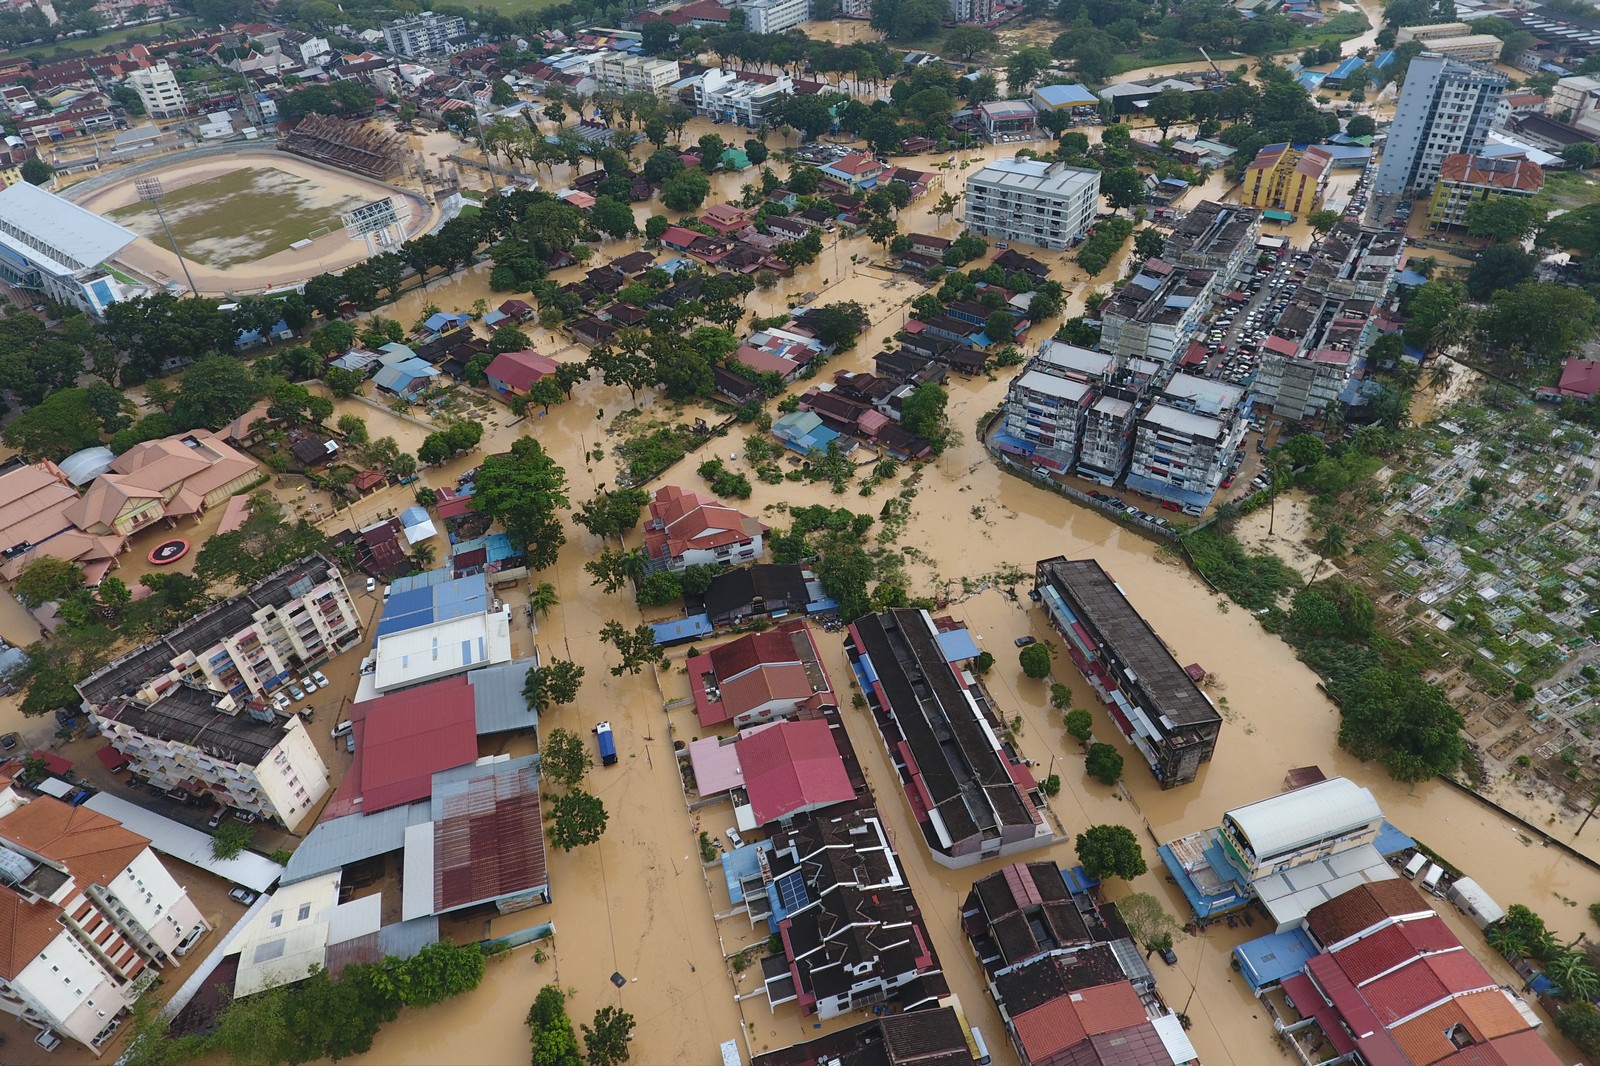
(683, 521)
(93, 847)
(793, 766)
(406, 737)
(25, 930)
(1065, 1021)
(1363, 907)
(519, 370)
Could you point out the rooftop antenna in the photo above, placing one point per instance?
(151, 192)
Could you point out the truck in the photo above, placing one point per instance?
(608, 744)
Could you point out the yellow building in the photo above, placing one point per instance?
(1286, 178)
(1465, 179)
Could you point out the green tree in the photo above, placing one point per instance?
(1504, 218)
(48, 579)
(1080, 724)
(1110, 851)
(1023, 67)
(659, 589)
(576, 819)
(612, 218)
(613, 568)
(564, 758)
(343, 383)
(1322, 220)
(612, 513)
(36, 171)
(637, 647)
(213, 392)
(924, 413)
(555, 682)
(1545, 320)
(554, 1042)
(1147, 920)
(231, 838)
(967, 41)
(1574, 975)
(522, 489)
(1499, 266)
(1361, 126)
(685, 191)
(1402, 720)
(543, 598)
(1167, 107)
(63, 423)
(1103, 763)
(1581, 155)
(1122, 188)
(607, 1041)
(1035, 660)
(266, 541)
(1579, 1022)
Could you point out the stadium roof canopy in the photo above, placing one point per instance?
(56, 233)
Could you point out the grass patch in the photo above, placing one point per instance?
(1570, 189)
(469, 210)
(241, 216)
(100, 41)
(517, 7)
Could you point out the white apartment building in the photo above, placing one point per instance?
(774, 16)
(1445, 108)
(1032, 201)
(976, 12)
(92, 913)
(738, 97)
(855, 9)
(1216, 236)
(1467, 47)
(1106, 441)
(158, 90)
(1576, 101)
(1047, 412)
(626, 74)
(1184, 440)
(189, 739)
(424, 34)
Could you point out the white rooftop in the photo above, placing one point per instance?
(1189, 387)
(1072, 357)
(1050, 385)
(177, 841)
(1036, 175)
(57, 234)
(1289, 895)
(1180, 421)
(1281, 824)
(442, 649)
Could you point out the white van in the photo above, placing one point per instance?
(342, 728)
(1431, 879)
(1414, 867)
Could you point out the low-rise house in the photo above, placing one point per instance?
(780, 771)
(592, 332)
(1466, 179)
(761, 590)
(759, 678)
(933, 1036)
(687, 529)
(974, 799)
(928, 245)
(726, 219)
(34, 503)
(1005, 120)
(857, 170)
(850, 928)
(171, 478)
(804, 432)
(513, 373)
(790, 227)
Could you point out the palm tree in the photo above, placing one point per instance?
(1440, 373)
(1278, 466)
(1572, 973)
(1506, 940)
(423, 555)
(1330, 545)
(542, 598)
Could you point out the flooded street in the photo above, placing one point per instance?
(637, 904)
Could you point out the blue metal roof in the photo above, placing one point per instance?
(416, 607)
(1066, 96)
(1347, 68)
(1269, 959)
(957, 645)
(1230, 895)
(698, 625)
(1392, 841)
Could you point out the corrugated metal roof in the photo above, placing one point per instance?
(335, 843)
(178, 841)
(1282, 823)
(497, 698)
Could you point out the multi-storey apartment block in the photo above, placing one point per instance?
(424, 34)
(1185, 440)
(1444, 109)
(158, 90)
(1032, 201)
(627, 74)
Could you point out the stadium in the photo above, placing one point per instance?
(251, 218)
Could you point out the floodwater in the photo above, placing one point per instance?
(636, 904)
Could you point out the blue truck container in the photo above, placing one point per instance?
(608, 745)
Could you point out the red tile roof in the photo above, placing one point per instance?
(1580, 377)
(1067, 1020)
(683, 521)
(791, 767)
(1482, 1015)
(1423, 983)
(519, 370)
(93, 847)
(25, 930)
(1393, 946)
(1518, 1049)
(1512, 172)
(407, 737)
(1362, 908)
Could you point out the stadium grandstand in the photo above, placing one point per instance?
(354, 146)
(55, 247)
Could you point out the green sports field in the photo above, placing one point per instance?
(240, 216)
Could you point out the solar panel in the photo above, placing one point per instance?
(792, 891)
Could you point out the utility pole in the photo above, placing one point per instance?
(151, 192)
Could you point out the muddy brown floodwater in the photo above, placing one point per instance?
(637, 903)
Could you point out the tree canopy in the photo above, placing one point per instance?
(522, 489)
(1110, 851)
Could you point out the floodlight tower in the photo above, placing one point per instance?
(151, 192)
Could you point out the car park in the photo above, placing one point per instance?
(240, 894)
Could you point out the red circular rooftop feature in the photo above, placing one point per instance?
(169, 551)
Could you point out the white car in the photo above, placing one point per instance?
(297, 692)
(280, 702)
(372, 584)
(734, 838)
(320, 678)
(308, 684)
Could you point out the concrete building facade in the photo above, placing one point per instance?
(739, 96)
(1032, 201)
(424, 34)
(1466, 179)
(158, 90)
(1185, 439)
(626, 74)
(1445, 108)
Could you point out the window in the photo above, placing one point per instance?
(305, 911)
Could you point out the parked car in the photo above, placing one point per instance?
(1023, 642)
(342, 728)
(308, 684)
(350, 743)
(216, 817)
(280, 702)
(372, 584)
(320, 678)
(10, 740)
(297, 692)
(246, 816)
(1168, 956)
(734, 838)
(242, 895)
(47, 1039)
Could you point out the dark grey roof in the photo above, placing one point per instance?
(189, 716)
(497, 698)
(336, 843)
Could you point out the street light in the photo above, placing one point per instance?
(150, 192)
